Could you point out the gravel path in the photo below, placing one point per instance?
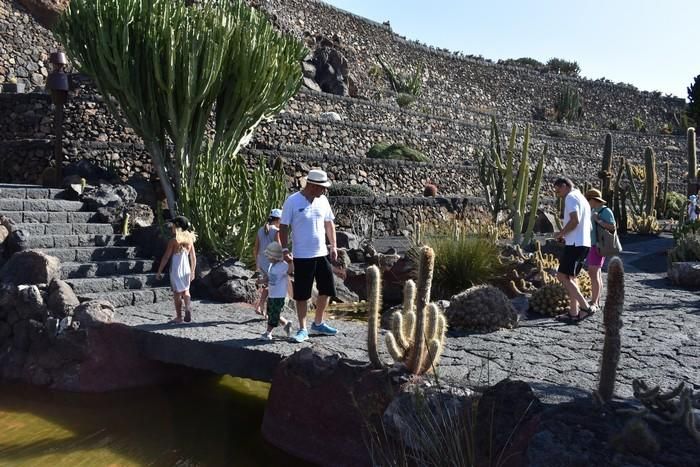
(660, 339)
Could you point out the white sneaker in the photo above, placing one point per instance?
(288, 329)
(593, 309)
(266, 336)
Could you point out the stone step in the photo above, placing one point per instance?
(29, 192)
(54, 217)
(39, 205)
(65, 229)
(116, 283)
(66, 241)
(132, 297)
(73, 270)
(86, 254)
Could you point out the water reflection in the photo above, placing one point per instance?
(210, 422)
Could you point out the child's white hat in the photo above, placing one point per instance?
(274, 252)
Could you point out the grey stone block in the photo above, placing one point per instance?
(15, 193)
(92, 285)
(144, 296)
(17, 217)
(35, 205)
(38, 193)
(162, 294)
(63, 205)
(135, 282)
(118, 299)
(11, 204)
(66, 241)
(79, 217)
(97, 229)
(59, 229)
(58, 217)
(78, 270)
(36, 217)
(63, 254)
(40, 241)
(32, 229)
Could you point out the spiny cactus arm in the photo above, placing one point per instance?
(432, 317)
(436, 344)
(398, 328)
(425, 280)
(409, 296)
(509, 167)
(612, 321)
(650, 181)
(634, 195)
(395, 351)
(692, 160)
(534, 204)
(374, 287)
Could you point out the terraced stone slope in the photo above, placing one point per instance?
(96, 262)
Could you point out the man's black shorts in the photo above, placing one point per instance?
(308, 269)
(571, 260)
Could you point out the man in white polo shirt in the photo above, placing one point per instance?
(576, 235)
(309, 216)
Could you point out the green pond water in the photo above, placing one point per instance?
(210, 422)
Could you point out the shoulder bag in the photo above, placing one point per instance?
(608, 242)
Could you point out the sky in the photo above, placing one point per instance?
(651, 44)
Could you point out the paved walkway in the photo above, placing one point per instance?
(660, 339)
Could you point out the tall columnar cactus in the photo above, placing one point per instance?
(505, 189)
(619, 199)
(612, 321)
(692, 162)
(651, 181)
(374, 300)
(417, 335)
(535, 198)
(664, 198)
(606, 174)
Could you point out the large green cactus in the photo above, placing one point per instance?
(606, 174)
(505, 189)
(417, 335)
(692, 163)
(612, 321)
(374, 289)
(651, 181)
(172, 67)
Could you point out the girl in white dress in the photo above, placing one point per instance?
(182, 266)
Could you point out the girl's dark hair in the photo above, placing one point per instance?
(266, 227)
(564, 181)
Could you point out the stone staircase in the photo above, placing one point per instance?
(95, 262)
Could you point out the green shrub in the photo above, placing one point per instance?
(461, 262)
(675, 205)
(569, 105)
(397, 151)
(687, 249)
(564, 67)
(404, 100)
(345, 189)
(639, 124)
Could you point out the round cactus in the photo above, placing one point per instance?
(481, 308)
(550, 300)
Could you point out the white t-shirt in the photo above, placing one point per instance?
(306, 220)
(581, 235)
(277, 275)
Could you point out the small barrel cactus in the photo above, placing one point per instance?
(430, 190)
(550, 300)
(481, 308)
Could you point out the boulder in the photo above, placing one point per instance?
(30, 267)
(330, 117)
(93, 174)
(145, 190)
(140, 215)
(94, 314)
(231, 269)
(347, 240)
(314, 389)
(4, 233)
(685, 274)
(110, 201)
(331, 70)
(545, 222)
(237, 290)
(30, 303)
(62, 300)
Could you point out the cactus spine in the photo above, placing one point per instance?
(692, 162)
(651, 181)
(374, 287)
(612, 321)
(417, 335)
(606, 174)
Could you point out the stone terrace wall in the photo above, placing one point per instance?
(24, 46)
(467, 83)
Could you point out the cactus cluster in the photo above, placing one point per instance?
(646, 224)
(481, 308)
(507, 189)
(664, 407)
(687, 248)
(417, 335)
(612, 321)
